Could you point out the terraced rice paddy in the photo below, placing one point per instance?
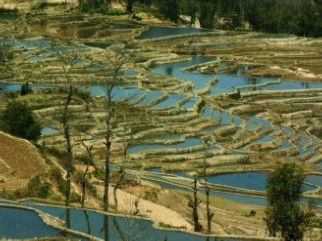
(231, 110)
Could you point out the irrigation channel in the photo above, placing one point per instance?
(193, 127)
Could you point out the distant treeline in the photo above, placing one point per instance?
(300, 17)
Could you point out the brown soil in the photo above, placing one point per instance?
(19, 161)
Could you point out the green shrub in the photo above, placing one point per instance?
(25, 89)
(19, 121)
(201, 105)
(37, 188)
(236, 95)
(40, 4)
(6, 52)
(75, 198)
(56, 176)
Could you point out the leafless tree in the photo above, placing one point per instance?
(65, 114)
(119, 59)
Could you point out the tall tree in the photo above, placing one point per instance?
(284, 188)
(129, 6)
(69, 161)
(117, 61)
(207, 13)
(169, 9)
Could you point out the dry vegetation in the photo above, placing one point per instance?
(20, 161)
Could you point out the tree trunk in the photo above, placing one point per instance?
(197, 226)
(117, 186)
(84, 186)
(109, 89)
(68, 141)
(210, 215)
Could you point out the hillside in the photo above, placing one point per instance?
(19, 161)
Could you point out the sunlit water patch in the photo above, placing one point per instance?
(174, 69)
(48, 131)
(150, 96)
(206, 113)
(190, 104)
(170, 101)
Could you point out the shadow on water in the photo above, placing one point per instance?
(105, 228)
(156, 32)
(113, 228)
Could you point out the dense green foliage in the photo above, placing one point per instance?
(300, 17)
(284, 214)
(19, 121)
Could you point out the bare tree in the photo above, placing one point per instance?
(132, 228)
(69, 161)
(119, 59)
(126, 146)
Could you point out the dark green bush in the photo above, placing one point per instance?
(25, 89)
(19, 121)
(236, 95)
(201, 105)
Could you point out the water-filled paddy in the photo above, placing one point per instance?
(315, 180)
(190, 142)
(174, 69)
(170, 101)
(5, 87)
(157, 32)
(22, 224)
(190, 104)
(251, 180)
(48, 131)
(101, 226)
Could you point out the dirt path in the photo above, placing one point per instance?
(158, 213)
